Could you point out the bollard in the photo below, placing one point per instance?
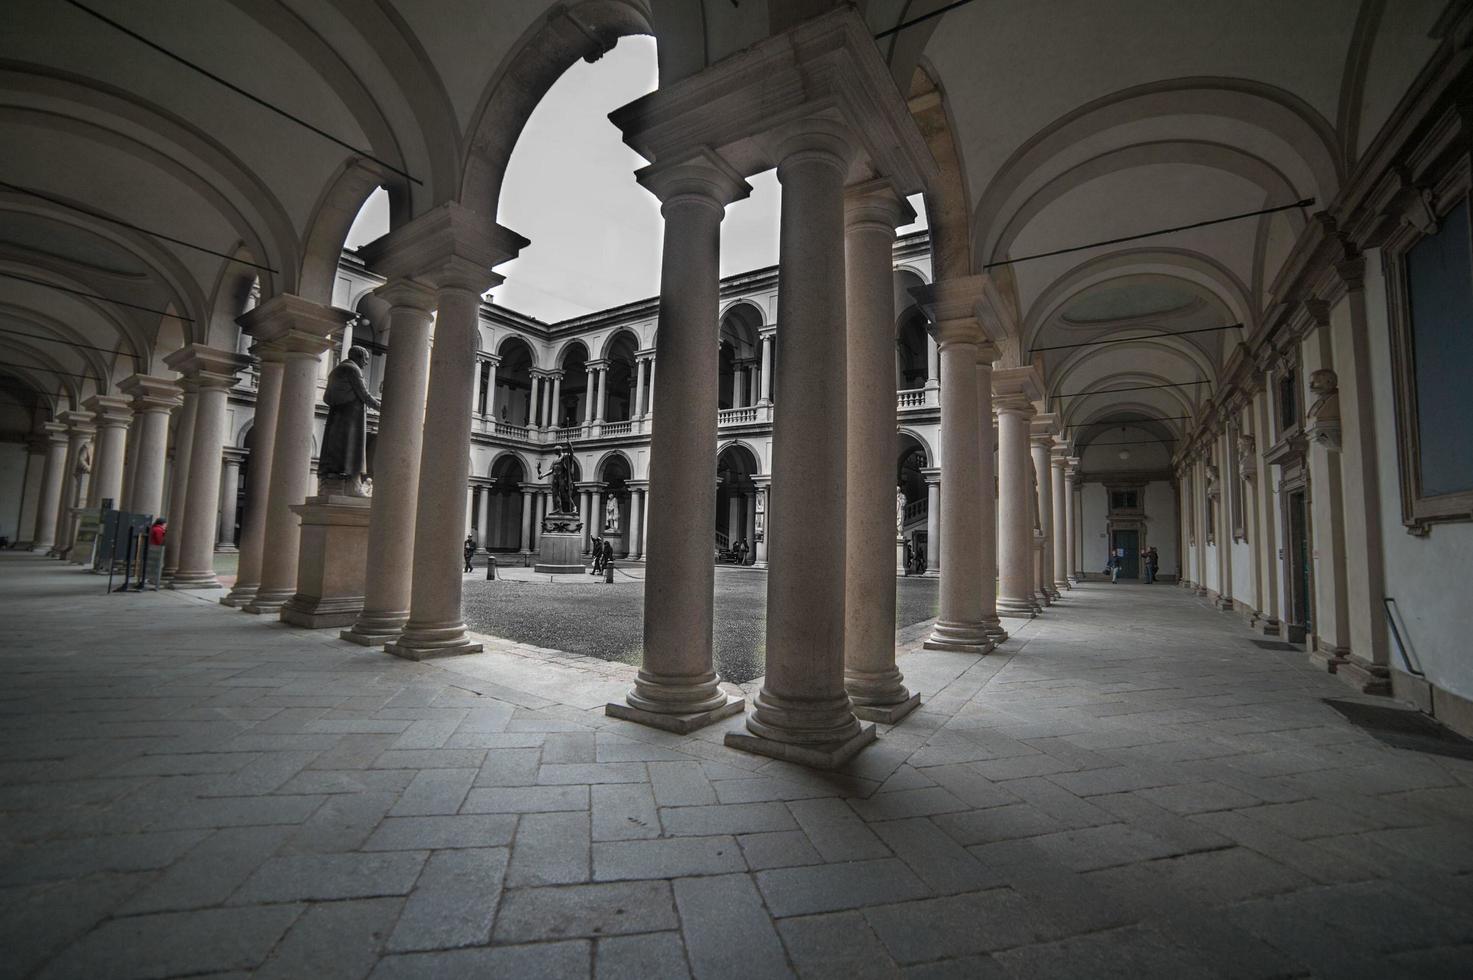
(609, 572)
(490, 568)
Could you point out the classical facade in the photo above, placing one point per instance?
(1206, 291)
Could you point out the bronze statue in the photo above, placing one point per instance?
(343, 462)
(562, 482)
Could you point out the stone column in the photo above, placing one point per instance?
(733, 519)
(258, 479)
(1060, 522)
(80, 429)
(1071, 521)
(738, 386)
(153, 400)
(872, 212)
(391, 519)
(766, 373)
(589, 385)
(803, 713)
(488, 494)
(603, 394)
(453, 248)
(642, 364)
(53, 483)
(759, 550)
(1227, 474)
(229, 491)
(113, 415)
(1015, 492)
(987, 494)
(933, 521)
(555, 408)
(933, 363)
(37, 447)
(495, 362)
(179, 477)
(213, 374)
(597, 515)
(295, 332)
(677, 688)
(1042, 445)
(1268, 530)
(528, 505)
(751, 525)
(585, 515)
(959, 625)
(470, 511)
(636, 521)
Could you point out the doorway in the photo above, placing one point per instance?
(1126, 545)
(1299, 622)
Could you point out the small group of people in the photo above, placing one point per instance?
(740, 550)
(915, 558)
(1150, 563)
(603, 553)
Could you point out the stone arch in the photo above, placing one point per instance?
(622, 333)
(513, 394)
(921, 441)
(610, 456)
(759, 464)
(333, 216)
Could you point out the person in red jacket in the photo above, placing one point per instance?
(156, 532)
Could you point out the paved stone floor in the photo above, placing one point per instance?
(582, 614)
(1128, 787)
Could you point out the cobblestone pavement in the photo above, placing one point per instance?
(583, 615)
(1128, 787)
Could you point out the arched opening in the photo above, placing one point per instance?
(620, 378)
(741, 355)
(575, 390)
(912, 351)
(911, 460)
(512, 401)
(612, 518)
(503, 531)
(736, 505)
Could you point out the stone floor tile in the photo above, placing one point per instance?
(434, 833)
(1198, 797)
(980, 967)
(434, 791)
(37, 922)
(430, 759)
(454, 901)
(342, 823)
(960, 925)
(173, 943)
(727, 929)
(569, 747)
(510, 767)
(1313, 862)
(1142, 814)
(1133, 951)
(562, 774)
(1090, 848)
(211, 872)
(680, 784)
(569, 911)
(836, 831)
(1064, 806)
(736, 818)
(326, 877)
(623, 811)
(1116, 779)
(653, 955)
(995, 824)
(550, 849)
(333, 939)
(836, 946)
(836, 887)
(525, 799)
(944, 865)
(670, 857)
(908, 803)
(781, 849)
(542, 961)
(1309, 819)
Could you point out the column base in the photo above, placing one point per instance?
(1269, 627)
(887, 714)
(759, 564)
(931, 573)
(823, 756)
(1223, 603)
(239, 596)
(320, 613)
(194, 580)
(1201, 592)
(376, 629)
(226, 549)
(679, 724)
(268, 602)
(416, 645)
(959, 638)
(1366, 677)
(1017, 608)
(994, 628)
(1061, 585)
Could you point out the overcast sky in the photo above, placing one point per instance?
(570, 189)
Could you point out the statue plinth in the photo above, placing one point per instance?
(332, 562)
(560, 546)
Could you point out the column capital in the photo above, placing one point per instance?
(876, 202)
(151, 394)
(287, 324)
(56, 432)
(401, 292)
(234, 454)
(968, 297)
(932, 475)
(78, 423)
(699, 176)
(111, 411)
(1043, 428)
(1016, 389)
(447, 247)
(598, 364)
(208, 367)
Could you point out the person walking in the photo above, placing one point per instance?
(598, 556)
(741, 550)
(608, 555)
(470, 551)
(1153, 559)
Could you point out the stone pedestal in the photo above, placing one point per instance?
(560, 547)
(331, 562)
(900, 568)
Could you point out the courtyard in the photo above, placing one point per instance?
(1129, 787)
(584, 615)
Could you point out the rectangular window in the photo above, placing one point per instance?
(1288, 401)
(1439, 271)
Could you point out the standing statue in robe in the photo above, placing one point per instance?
(562, 482)
(899, 513)
(611, 513)
(343, 463)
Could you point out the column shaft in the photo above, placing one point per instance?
(1015, 547)
(179, 478)
(391, 520)
(987, 495)
(197, 550)
(435, 622)
(53, 480)
(258, 482)
(1045, 504)
(638, 412)
(526, 538)
(636, 521)
(1060, 524)
(229, 491)
(933, 526)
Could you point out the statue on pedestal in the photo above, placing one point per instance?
(899, 513)
(611, 513)
(343, 463)
(563, 516)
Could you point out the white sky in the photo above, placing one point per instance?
(570, 188)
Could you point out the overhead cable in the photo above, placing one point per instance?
(240, 91)
(1302, 203)
(104, 299)
(70, 343)
(50, 199)
(1126, 340)
(1106, 391)
(47, 370)
(922, 18)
